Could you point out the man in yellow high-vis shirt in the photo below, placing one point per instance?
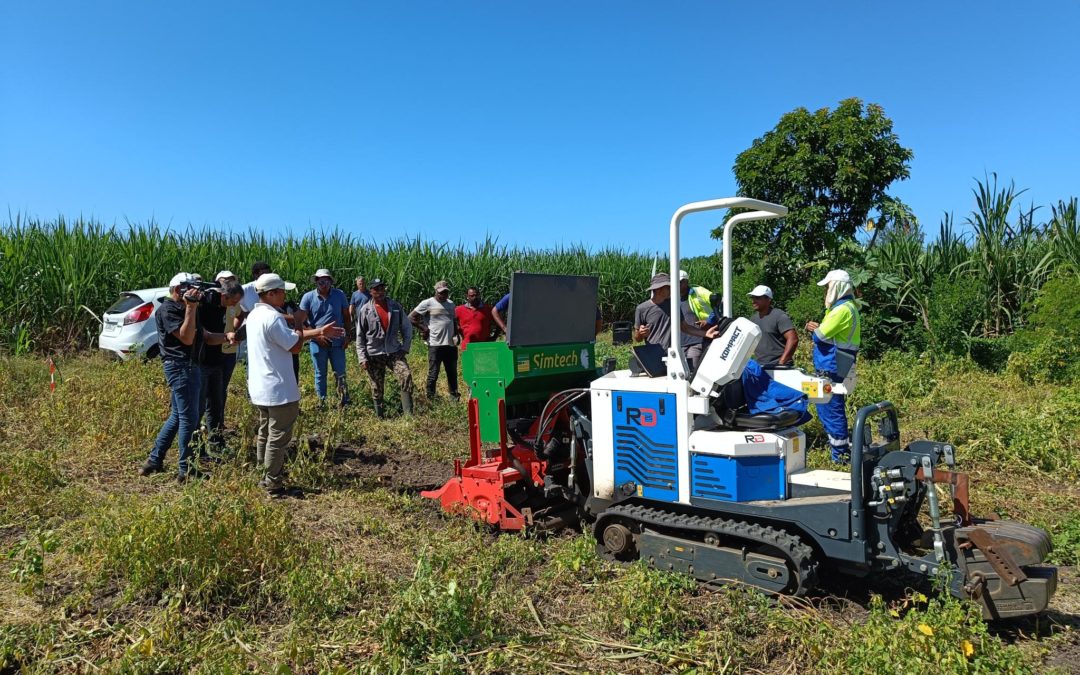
(836, 344)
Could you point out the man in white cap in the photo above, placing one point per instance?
(836, 344)
(778, 336)
(327, 304)
(181, 338)
(436, 319)
(271, 383)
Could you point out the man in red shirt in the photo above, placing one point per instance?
(474, 317)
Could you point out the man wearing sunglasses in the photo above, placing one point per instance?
(327, 305)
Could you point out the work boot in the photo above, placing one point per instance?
(380, 409)
(406, 403)
(150, 468)
(192, 473)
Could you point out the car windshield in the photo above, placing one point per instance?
(126, 303)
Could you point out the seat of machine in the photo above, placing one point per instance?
(839, 481)
(767, 421)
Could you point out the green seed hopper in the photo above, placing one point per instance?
(549, 348)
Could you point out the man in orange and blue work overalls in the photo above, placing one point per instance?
(836, 344)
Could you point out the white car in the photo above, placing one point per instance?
(128, 327)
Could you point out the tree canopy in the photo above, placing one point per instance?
(831, 168)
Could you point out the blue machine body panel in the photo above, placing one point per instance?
(737, 479)
(646, 444)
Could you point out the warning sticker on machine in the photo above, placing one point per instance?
(523, 364)
(812, 389)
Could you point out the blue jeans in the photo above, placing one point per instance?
(336, 356)
(185, 380)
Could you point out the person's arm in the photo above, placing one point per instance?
(406, 332)
(186, 332)
(641, 329)
(417, 320)
(361, 339)
(692, 329)
(791, 339)
(496, 316)
(218, 338)
(325, 333)
(791, 336)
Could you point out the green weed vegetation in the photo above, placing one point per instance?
(104, 569)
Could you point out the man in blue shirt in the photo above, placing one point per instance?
(359, 297)
(327, 304)
(501, 312)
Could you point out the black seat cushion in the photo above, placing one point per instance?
(767, 421)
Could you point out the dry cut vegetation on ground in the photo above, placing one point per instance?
(107, 570)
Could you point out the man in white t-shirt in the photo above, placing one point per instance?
(437, 322)
(271, 383)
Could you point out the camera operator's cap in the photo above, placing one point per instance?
(180, 279)
(224, 274)
(835, 275)
(659, 281)
(683, 276)
(323, 272)
(441, 286)
(376, 282)
(761, 292)
(272, 282)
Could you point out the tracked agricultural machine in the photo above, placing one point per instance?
(671, 467)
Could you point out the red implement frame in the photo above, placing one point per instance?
(479, 487)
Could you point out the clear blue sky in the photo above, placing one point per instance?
(539, 122)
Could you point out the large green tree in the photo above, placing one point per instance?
(831, 168)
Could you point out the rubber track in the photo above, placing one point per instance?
(799, 555)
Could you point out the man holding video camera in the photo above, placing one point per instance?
(182, 337)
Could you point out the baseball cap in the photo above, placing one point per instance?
(376, 282)
(441, 286)
(835, 275)
(180, 278)
(683, 276)
(659, 281)
(224, 274)
(323, 272)
(761, 291)
(271, 282)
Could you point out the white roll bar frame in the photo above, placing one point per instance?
(676, 362)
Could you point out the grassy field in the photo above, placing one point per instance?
(107, 570)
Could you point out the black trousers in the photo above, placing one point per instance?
(447, 357)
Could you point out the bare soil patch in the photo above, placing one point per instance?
(401, 471)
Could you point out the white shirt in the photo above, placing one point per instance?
(271, 380)
(251, 297)
(440, 321)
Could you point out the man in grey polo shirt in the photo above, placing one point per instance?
(436, 320)
(778, 336)
(652, 321)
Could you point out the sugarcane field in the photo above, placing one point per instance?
(449, 338)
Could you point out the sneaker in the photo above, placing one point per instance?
(149, 468)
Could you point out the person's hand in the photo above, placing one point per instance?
(321, 340)
(812, 326)
(425, 332)
(713, 333)
(701, 324)
(364, 365)
(231, 338)
(642, 332)
(192, 296)
(331, 331)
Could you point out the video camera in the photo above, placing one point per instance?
(200, 291)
